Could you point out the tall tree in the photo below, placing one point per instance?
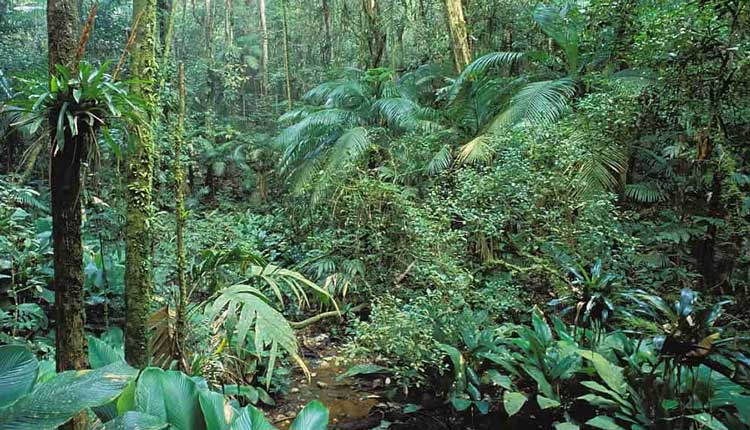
(287, 71)
(264, 47)
(327, 44)
(140, 167)
(459, 37)
(65, 187)
(376, 35)
(180, 214)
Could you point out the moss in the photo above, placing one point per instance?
(140, 167)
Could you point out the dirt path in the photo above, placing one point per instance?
(345, 399)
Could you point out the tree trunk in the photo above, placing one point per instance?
(65, 187)
(287, 72)
(459, 37)
(327, 44)
(181, 217)
(264, 47)
(140, 167)
(376, 39)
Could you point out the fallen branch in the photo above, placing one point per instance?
(297, 325)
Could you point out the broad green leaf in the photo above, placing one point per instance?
(362, 369)
(133, 420)
(181, 401)
(251, 418)
(149, 396)
(102, 354)
(604, 423)
(610, 374)
(513, 402)
(546, 403)
(18, 372)
(216, 413)
(460, 404)
(708, 421)
(314, 416)
(54, 402)
(566, 426)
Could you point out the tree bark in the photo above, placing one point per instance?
(327, 44)
(376, 39)
(264, 48)
(181, 217)
(287, 72)
(65, 187)
(140, 167)
(459, 37)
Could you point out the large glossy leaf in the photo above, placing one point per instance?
(181, 400)
(54, 402)
(149, 396)
(313, 417)
(133, 420)
(251, 418)
(216, 413)
(102, 354)
(18, 372)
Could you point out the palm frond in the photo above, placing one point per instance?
(645, 192)
(476, 150)
(351, 146)
(601, 169)
(271, 329)
(538, 104)
(440, 162)
(478, 68)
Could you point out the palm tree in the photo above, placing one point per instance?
(332, 131)
(536, 98)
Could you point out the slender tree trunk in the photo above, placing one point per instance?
(327, 44)
(376, 39)
(181, 217)
(140, 167)
(264, 48)
(287, 72)
(65, 186)
(459, 37)
(228, 26)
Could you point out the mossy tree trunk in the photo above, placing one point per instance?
(181, 217)
(459, 37)
(140, 166)
(65, 187)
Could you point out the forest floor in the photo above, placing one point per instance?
(348, 401)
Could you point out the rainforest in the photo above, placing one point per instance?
(375, 214)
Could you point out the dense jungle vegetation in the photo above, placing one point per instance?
(375, 214)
